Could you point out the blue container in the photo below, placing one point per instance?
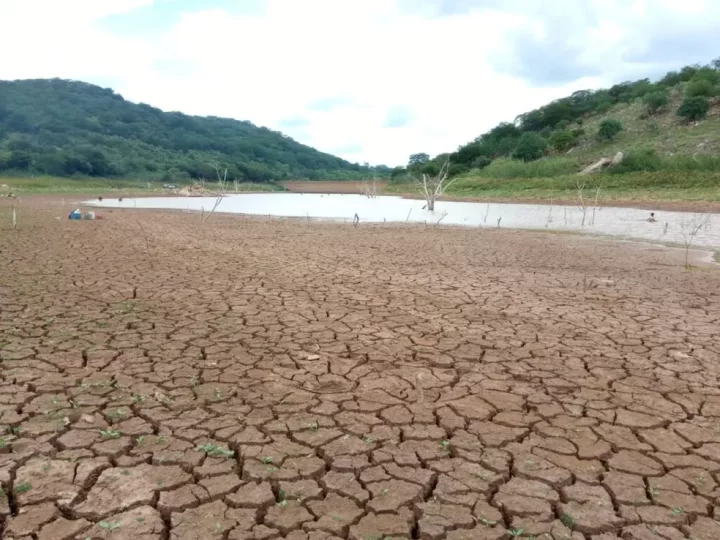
(75, 214)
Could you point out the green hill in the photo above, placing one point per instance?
(68, 128)
(540, 153)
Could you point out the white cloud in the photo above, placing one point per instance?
(370, 56)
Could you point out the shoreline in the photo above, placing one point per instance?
(702, 254)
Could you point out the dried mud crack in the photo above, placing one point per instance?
(247, 379)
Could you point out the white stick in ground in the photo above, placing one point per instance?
(222, 181)
(582, 205)
(549, 218)
(444, 214)
(595, 207)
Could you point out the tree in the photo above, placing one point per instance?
(433, 186)
(609, 129)
(530, 147)
(418, 159)
(561, 140)
(396, 172)
(699, 87)
(19, 159)
(481, 162)
(694, 108)
(654, 101)
(74, 128)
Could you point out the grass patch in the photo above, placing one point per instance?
(636, 186)
(97, 186)
(541, 168)
(49, 184)
(23, 487)
(215, 451)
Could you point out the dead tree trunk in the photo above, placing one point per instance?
(434, 186)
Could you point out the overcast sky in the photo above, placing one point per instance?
(368, 80)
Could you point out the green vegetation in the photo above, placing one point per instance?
(109, 525)
(655, 101)
(80, 185)
(215, 451)
(632, 186)
(694, 108)
(530, 147)
(23, 487)
(539, 154)
(609, 129)
(560, 141)
(63, 128)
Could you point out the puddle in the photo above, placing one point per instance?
(628, 223)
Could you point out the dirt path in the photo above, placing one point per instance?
(252, 379)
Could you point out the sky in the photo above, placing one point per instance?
(368, 80)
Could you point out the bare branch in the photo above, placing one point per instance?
(222, 180)
(690, 229)
(434, 186)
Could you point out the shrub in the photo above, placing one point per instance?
(481, 162)
(530, 147)
(609, 129)
(603, 107)
(647, 160)
(699, 87)
(639, 160)
(561, 140)
(694, 108)
(540, 168)
(654, 101)
(457, 169)
(707, 73)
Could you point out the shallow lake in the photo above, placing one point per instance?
(628, 223)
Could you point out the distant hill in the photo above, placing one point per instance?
(70, 128)
(564, 136)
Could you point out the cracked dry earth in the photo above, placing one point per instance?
(254, 379)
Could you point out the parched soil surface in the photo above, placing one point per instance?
(251, 379)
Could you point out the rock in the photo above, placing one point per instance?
(617, 159)
(597, 166)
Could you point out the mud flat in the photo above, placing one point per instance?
(255, 378)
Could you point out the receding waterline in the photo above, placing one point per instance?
(628, 223)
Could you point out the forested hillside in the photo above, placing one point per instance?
(69, 128)
(669, 124)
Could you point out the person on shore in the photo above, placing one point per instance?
(652, 219)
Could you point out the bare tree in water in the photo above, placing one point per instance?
(434, 186)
